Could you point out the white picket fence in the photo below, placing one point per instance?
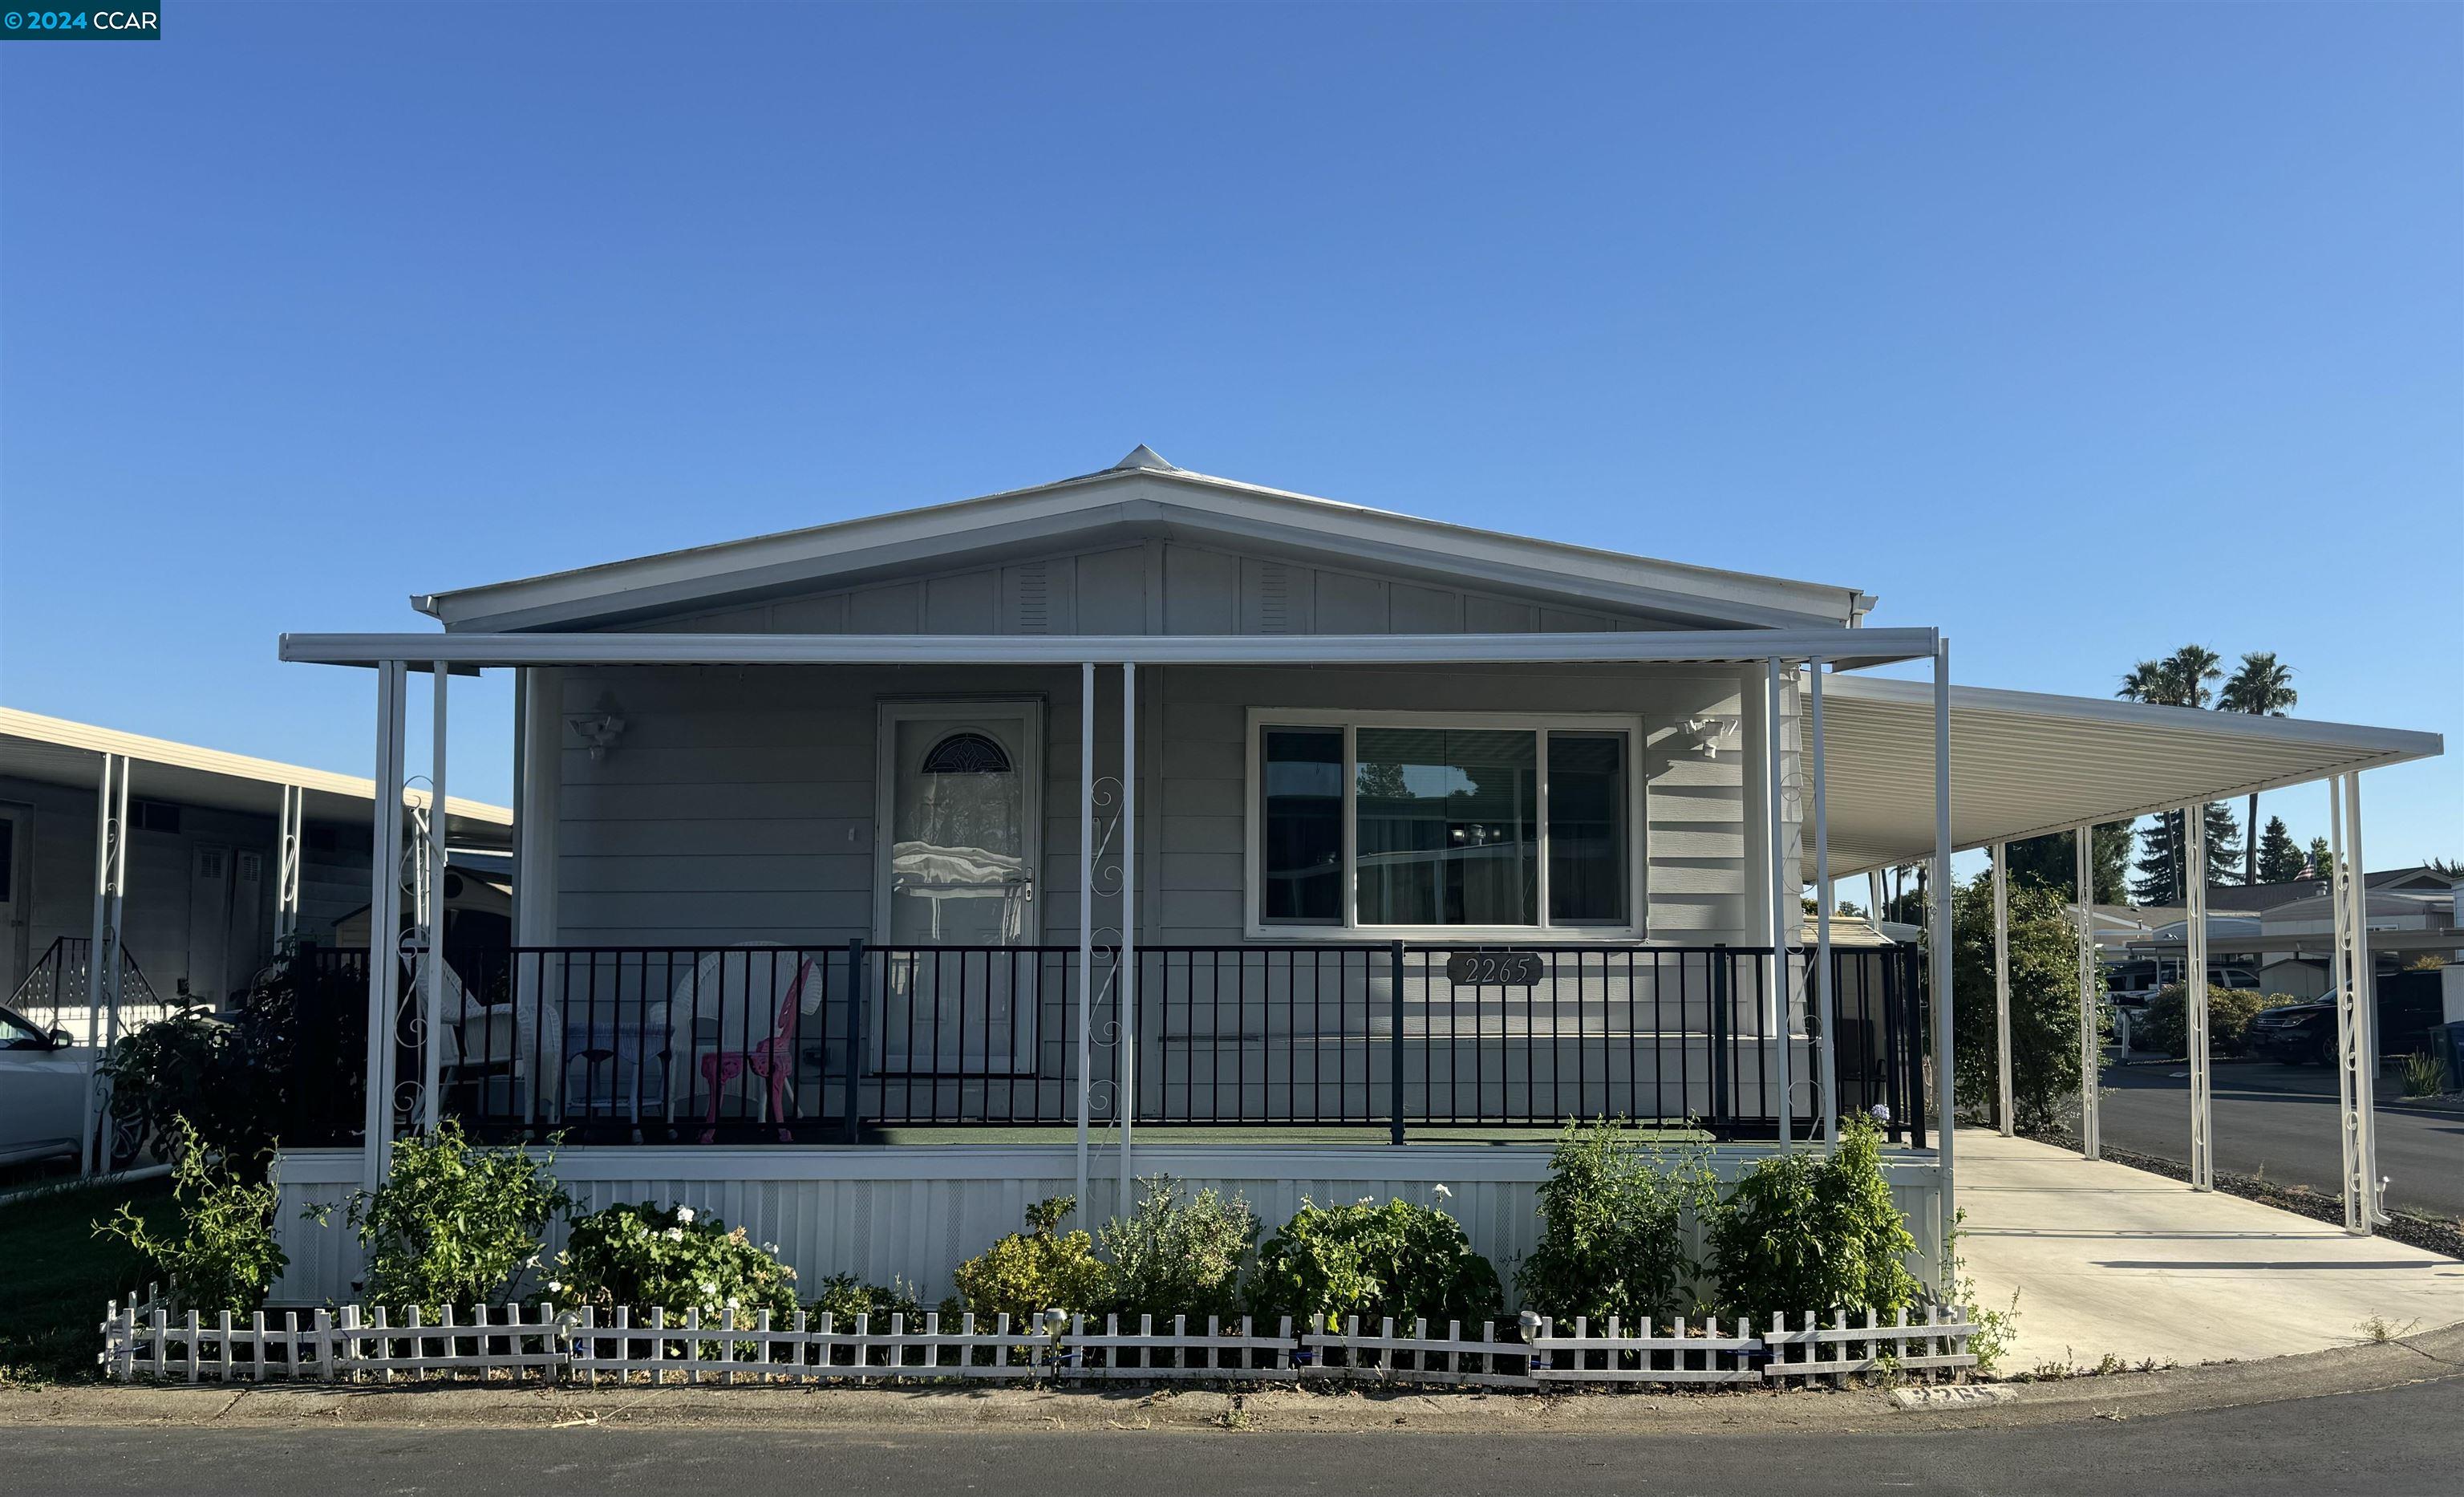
(507, 1343)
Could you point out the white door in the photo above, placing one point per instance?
(209, 885)
(958, 805)
(246, 941)
(16, 822)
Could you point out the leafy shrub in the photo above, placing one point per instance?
(1807, 1231)
(1029, 1272)
(1613, 1235)
(2044, 1002)
(224, 1257)
(1178, 1257)
(1373, 1261)
(845, 1297)
(2425, 1075)
(672, 1258)
(454, 1223)
(184, 1079)
(2162, 1028)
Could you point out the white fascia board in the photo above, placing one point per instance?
(2395, 743)
(815, 556)
(1634, 647)
(62, 733)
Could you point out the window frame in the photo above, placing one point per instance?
(1350, 928)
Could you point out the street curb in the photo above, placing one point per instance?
(2429, 1357)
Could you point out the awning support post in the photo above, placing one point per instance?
(102, 960)
(1086, 913)
(1938, 917)
(431, 1039)
(2350, 1043)
(1783, 901)
(384, 924)
(2002, 985)
(290, 839)
(2195, 995)
(1828, 997)
(1126, 1089)
(2365, 999)
(2091, 1051)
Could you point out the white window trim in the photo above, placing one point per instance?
(1252, 819)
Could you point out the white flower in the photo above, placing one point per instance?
(1366, 1200)
(733, 1301)
(675, 1234)
(685, 1214)
(1441, 1191)
(532, 1262)
(772, 1248)
(709, 1289)
(1881, 1112)
(555, 1287)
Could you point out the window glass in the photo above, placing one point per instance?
(1301, 853)
(1448, 829)
(1587, 834)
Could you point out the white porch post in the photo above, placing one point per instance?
(1874, 895)
(1938, 919)
(1127, 1092)
(2091, 1053)
(431, 1039)
(2002, 984)
(1822, 902)
(2195, 994)
(384, 916)
(1783, 901)
(1086, 913)
(2365, 1002)
(2350, 1043)
(289, 841)
(103, 946)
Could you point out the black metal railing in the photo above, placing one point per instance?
(833, 1042)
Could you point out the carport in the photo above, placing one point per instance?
(2025, 765)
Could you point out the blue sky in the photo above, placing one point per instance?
(2080, 332)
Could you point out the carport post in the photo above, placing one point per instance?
(1938, 916)
(2366, 1003)
(2002, 982)
(384, 924)
(102, 948)
(431, 1038)
(2091, 1069)
(1829, 999)
(1783, 913)
(1126, 1090)
(2349, 1042)
(2195, 994)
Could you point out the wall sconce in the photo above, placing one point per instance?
(597, 731)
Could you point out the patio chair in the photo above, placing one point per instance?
(738, 1015)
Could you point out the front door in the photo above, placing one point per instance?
(210, 894)
(955, 885)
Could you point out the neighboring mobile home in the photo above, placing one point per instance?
(876, 879)
(217, 856)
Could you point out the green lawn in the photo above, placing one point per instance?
(58, 1275)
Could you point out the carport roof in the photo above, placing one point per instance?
(2023, 763)
(57, 751)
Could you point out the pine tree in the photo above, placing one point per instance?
(2323, 863)
(2280, 861)
(2162, 879)
(2048, 863)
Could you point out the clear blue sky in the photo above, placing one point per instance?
(2080, 332)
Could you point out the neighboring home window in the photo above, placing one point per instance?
(1407, 822)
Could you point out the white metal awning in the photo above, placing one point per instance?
(2023, 764)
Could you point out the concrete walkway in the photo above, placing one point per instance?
(2112, 1261)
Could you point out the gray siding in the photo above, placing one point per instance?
(739, 805)
(1165, 586)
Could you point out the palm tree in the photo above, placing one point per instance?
(2178, 680)
(2263, 688)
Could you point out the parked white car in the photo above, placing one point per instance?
(42, 1091)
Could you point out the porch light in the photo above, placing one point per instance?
(599, 731)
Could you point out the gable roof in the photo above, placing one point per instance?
(1141, 496)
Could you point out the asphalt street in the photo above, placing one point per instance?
(2281, 1120)
(2390, 1444)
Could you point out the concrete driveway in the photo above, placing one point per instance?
(2108, 1260)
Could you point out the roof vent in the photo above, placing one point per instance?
(1143, 456)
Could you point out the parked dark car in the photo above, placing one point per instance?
(2304, 1034)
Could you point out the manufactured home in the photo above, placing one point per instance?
(876, 879)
